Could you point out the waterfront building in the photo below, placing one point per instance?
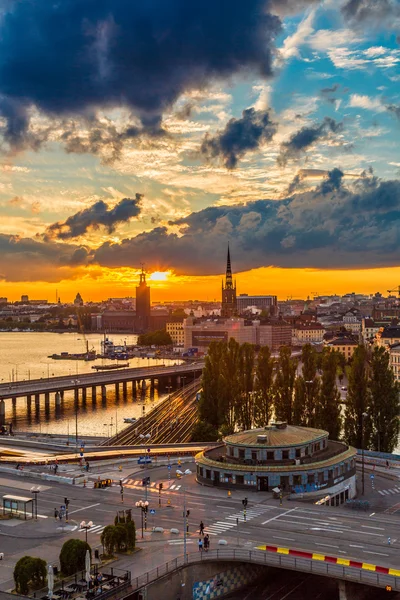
(174, 327)
(228, 308)
(281, 457)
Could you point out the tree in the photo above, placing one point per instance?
(155, 338)
(210, 400)
(264, 395)
(384, 403)
(73, 555)
(204, 432)
(108, 539)
(357, 429)
(284, 385)
(328, 413)
(29, 572)
(244, 405)
(228, 383)
(307, 389)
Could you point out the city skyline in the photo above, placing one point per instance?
(279, 135)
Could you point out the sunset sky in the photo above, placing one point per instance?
(155, 132)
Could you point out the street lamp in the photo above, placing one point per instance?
(86, 527)
(35, 491)
(363, 416)
(144, 506)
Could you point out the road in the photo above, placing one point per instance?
(325, 530)
(66, 382)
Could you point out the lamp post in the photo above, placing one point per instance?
(144, 506)
(35, 491)
(363, 416)
(86, 527)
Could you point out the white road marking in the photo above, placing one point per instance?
(326, 529)
(280, 537)
(377, 553)
(277, 516)
(327, 545)
(372, 514)
(84, 508)
(355, 546)
(370, 527)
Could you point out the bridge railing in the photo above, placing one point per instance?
(272, 560)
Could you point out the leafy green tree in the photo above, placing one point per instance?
(328, 413)
(73, 555)
(264, 388)
(284, 385)
(204, 432)
(108, 539)
(228, 383)
(29, 572)
(357, 429)
(245, 404)
(384, 403)
(155, 338)
(307, 389)
(210, 401)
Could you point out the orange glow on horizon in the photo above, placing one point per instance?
(98, 283)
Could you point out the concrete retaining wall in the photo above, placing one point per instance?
(199, 582)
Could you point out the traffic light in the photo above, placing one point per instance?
(244, 502)
(187, 513)
(160, 486)
(66, 502)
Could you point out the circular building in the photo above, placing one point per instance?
(297, 460)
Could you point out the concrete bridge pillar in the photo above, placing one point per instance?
(178, 381)
(133, 390)
(29, 403)
(124, 390)
(47, 401)
(2, 413)
(143, 384)
(58, 400)
(342, 590)
(103, 393)
(84, 394)
(14, 403)
(94, 390)
(117, 391)
(62, 395)
(76, 395)
(37, 402)
(152, 388)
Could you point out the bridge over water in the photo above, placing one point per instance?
(167, 376)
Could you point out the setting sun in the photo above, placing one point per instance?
(160, 276)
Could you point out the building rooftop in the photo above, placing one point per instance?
(343, 341)
(276, 435)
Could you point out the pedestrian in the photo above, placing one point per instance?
(55, 469)
(389, 541)
(387, 464)
(200, 545)
(206, 542)
(60, 514)
(201, 528)
(87, 466)
(55, 514)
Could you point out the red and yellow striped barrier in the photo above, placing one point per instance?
(345, 562)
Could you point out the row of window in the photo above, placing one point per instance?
(256, 455)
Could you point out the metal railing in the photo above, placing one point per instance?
(269, 559)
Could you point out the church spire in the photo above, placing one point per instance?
(229, 281)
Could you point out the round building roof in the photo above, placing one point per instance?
(276, 435)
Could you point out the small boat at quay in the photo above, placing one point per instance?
(110, 367)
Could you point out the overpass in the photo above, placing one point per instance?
(136, 377)
(295, 560)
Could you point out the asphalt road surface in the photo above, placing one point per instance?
(326, 530)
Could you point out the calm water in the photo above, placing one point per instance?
(24, 356)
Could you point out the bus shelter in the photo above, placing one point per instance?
(18, 506)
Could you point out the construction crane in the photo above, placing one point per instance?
(396, 289)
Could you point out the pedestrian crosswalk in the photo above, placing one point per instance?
(153, 486)
(387, 492)
(232, 521)
(95, 529)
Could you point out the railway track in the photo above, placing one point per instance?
(166, 423)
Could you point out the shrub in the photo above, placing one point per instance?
(29, 572)
(73, 555)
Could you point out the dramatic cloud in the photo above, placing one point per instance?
(239, 136)
(99, 214)
(305, 138)
(331, 227)
(72, 57)
(372, 12)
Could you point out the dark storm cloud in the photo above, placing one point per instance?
(26, 259)
(305, 138)
(239, 136)
(72, 57)
(333, 226)
(371, 11)
(97, 215)
(332, 182)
